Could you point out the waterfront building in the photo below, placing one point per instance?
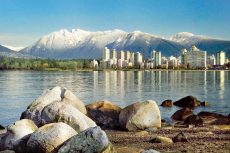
(114, 54)
(153, 55)
(173, 62)
(221, 58)
(122, 55)
(184, 58)
(138, 60)
(212, 60)
(120, 63)
(128, 56)
(106, 54)
(157, 59)
(94, 64)
(197, 58)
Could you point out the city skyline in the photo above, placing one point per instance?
(24, 23)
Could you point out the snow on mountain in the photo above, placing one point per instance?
(77, 43)
(13, 48)
(187, 38)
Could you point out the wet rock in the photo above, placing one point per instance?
(180, 138)
(214, 118)
(188, 101)
(150, 151)
(160, 139)
(140, 116)
(15, 132)
(205, 103)
(105, 114)
(34, 110)
(182, 114)
(63, 112)
(49, 137)
(193, 120)
(91, 140)
(21, 145)
(167, 103)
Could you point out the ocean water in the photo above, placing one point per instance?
(19, 88)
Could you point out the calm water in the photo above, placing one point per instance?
(19, 88)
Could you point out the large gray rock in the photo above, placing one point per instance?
(34, 110)
(105, 114)
(92, 140)
(64, 112)
(15, 132)
(140, 116)
(49, 137)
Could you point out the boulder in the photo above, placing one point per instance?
(193, 120)
(15, 132)
(180, 138)
(2, 127)
(140, 116)
(160, 139)
(34, 110)
(214, 118)
(188, 101)
(48, 138)
(63, 112)
(89, 141)
(167, 103)
(105, 114)
(205, 103)
(182, 114)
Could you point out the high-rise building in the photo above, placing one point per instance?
(184, 57)
(114, 54)
(106, 54)
(212, 60)
(122, 55)
(157, 59)
(138, 59)
(153, 55)
(197, 58)
(221, 58)
(128, 56)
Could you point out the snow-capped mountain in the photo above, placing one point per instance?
(77, 43)
(188, 38)
(13, 48)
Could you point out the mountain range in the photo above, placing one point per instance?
(77, 43)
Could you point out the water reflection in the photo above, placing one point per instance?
(19, 88)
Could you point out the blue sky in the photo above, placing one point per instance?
(22, 22)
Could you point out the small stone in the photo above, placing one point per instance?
(167, 103)
(180, 138)
(160, 139)
(142, 133)
(150, 151)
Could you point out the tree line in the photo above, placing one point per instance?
(8, 63)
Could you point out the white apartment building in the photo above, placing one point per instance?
(197, 58)
(221, 58)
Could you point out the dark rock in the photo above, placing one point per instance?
(180, 138)
(188, 101)
(205, 103)
(21, 145)
(105, 114)
(167, 103)
(193, 120)
(182, 114)
(214, 118)
(2, 127)
(7, 151)
(91, 140)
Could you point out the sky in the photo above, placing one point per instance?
(23, 22)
